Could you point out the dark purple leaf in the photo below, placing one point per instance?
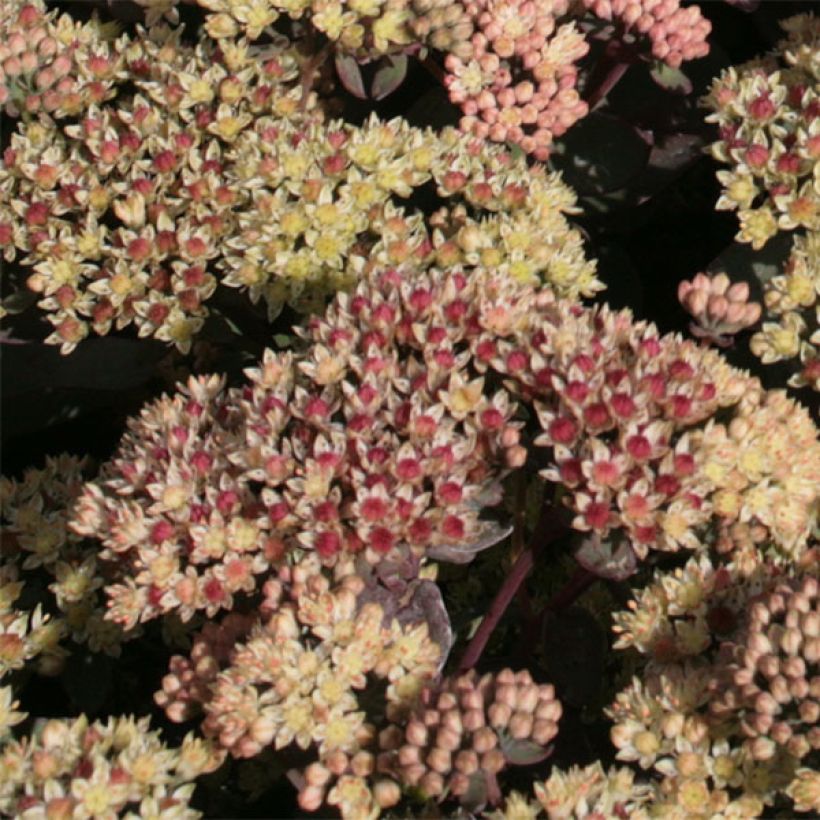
(523, 752)
(389, 76)
(744, 5)
(615, 562)
(475, 798)
(464, 553)
(350, 73)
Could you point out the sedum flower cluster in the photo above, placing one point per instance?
(792, 302)
(295, 673)
(70, 768)
(724, 711)
(591, 792)
(768, 681)
(390, 431)
(213, 171)
(365, 29)
(303, 507)
(509, 65)
(50, 63)
(767, 112)
(39, 545)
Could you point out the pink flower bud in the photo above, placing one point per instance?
(520, 726)
(448, 740)
(46, 78)
(484, 740)
(17, 43)
(716, 308)
(311, 798)
(543, 731)
(47, 46)
(762, 748)
(696, 301)
(29, 62)
(386, 793)
(440, 760)
(493, 761)
(409, 755)
(12, 66)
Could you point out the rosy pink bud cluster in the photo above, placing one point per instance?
(467, 730)
(38, 72)
(770, 681)
(677, 34)
(517, 84)
(188, 681)
(719, 308)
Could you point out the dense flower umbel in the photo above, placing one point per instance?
(793, 303)
(764, 466)
(466, 730)
(361, 446)
(388, 431)
(327, 212)
(591, 792)
(118, 768)
(661, 722)
(363, 28)
(37, 541)
(768, 112)
(294, 678)
(517, 82)
(212, 172)
(684, 612)
(120, 213)
(676, 34)
(719, 308)
(50, 63)
(770, 681)
(623, 409)
(698, 716)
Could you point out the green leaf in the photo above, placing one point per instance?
(283, 340)
(19, 301)
(670, 79)
(739, 261)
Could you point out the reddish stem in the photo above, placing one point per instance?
(549, 528)
(433, 68)
(613, 64)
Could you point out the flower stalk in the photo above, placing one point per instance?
(550, 527)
